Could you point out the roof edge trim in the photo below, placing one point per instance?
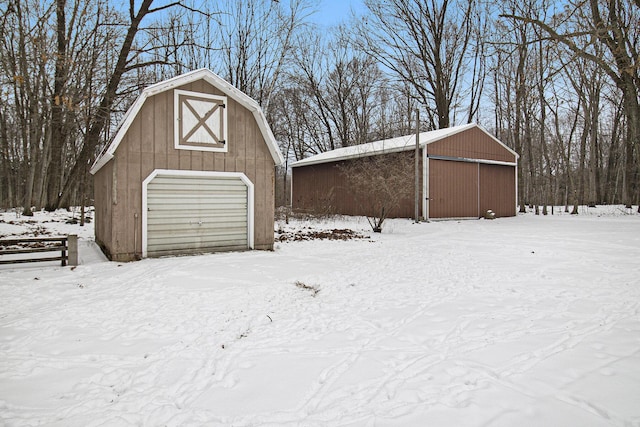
(368, 150)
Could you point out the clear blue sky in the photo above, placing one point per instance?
(332, 12)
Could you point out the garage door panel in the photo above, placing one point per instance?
(189, 247)
(178, 197)
(195, 228)
(197, 242)
(188, 213)
(165, 217)
(197, 180)
(195, 194)
(209, 233)
(204, 206)
(210, 204)
(236, 233)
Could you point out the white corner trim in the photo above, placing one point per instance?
(425, 184)
(516, 179)
(103, 160)
(205, 174)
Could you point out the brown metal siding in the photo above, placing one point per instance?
(315, 189)
(497, 190)
(456, 189)
(472, 144)
(323, 189)
(149, 145)
(453, 189)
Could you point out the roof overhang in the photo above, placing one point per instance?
(393, 145)
(214, 80)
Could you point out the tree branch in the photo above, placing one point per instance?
(565, 39)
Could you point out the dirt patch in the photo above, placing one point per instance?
(311, 234)
(313, 289)
(33, 231)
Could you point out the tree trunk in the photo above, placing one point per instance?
(520, 96)
(632, 112)
(613, 161)
(6, 173)
(92, 137)
(594, 117)
(58, 101)
(581, 181)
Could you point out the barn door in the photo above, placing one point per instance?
(453, 189)
(197, 212)
(201, 121)
(497, 189)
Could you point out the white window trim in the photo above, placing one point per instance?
(176, 117)
(204, 174)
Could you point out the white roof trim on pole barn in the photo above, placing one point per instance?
(211, 78)
(393, 145)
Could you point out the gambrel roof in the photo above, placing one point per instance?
(213, 79)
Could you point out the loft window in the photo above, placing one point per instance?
(201, 121)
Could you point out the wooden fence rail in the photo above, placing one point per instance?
(66, 245)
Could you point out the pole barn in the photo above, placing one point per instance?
(465, 172)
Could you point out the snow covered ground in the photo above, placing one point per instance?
(527, 321)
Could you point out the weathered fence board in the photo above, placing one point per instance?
(68, 248)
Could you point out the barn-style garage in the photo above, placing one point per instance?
(464, 172)
(191, 169)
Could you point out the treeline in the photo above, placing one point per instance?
(556, 81)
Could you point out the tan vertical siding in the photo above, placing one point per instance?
(264, 204)
(243, 134)
(103, 186)
(453, 189)
(160, 130)
(149, 145)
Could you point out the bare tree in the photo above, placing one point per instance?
(611, 28)
(335, 91)
(24, 43)
(62, 75)
(425, 43)
(129, 58)
(59, 103)
(564, 86)
(385, 181)
(312, 62)
(255, 41)
(511, 65)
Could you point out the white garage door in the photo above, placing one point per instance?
(196, 213)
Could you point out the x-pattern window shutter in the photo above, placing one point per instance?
(201, 121)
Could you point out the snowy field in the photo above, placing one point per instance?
(525, 321)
